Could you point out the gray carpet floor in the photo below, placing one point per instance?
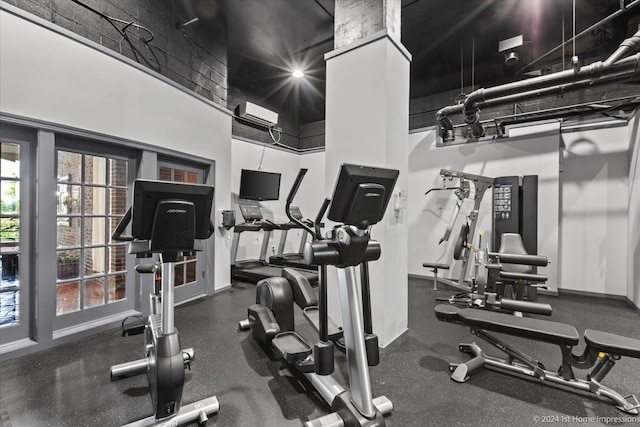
(69, 385)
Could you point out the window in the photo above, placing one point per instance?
(10, 234)
(186, 268)
(91, 198)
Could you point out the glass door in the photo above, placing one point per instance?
(189, 271)
(91, 277)
(15, 182)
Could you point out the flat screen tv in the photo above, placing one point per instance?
(259, 185)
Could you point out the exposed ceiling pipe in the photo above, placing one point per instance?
(595, 74)
(554, 90)
(600, 23)
(627, 47)
(567, 112)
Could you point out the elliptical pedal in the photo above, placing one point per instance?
(291, 346)
(312, 314)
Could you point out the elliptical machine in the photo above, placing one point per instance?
(168, 219)
(359, 201)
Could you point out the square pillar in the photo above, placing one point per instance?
(367, 122)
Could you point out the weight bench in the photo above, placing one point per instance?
(600, 355)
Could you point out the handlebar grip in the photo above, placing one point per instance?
(321, 212)
(146, 268)
(122, 225)
(327, 252)
(296, 185)
(321, 253)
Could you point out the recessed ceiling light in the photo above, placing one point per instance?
(298, 74)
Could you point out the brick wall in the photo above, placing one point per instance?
(195, 57)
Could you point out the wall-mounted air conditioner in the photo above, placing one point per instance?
(257, 114)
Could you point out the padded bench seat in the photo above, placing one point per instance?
(541, 330)
(612, 343)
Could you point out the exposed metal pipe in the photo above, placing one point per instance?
(627, 47)
(577, 36)
(591, 75)
(557, 89)
(557, 113)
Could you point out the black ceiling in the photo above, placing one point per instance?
(452, 41)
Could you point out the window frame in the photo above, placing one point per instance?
(89, 147)
(24, 329)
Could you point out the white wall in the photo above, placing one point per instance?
(633, 251)
(246, 155)
(533, 154)
(594, 180)
(584, 188)
(312, 191)
(49, 77)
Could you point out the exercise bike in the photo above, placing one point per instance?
(168, 219)
(359, 202)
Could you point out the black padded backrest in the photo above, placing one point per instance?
(511, 243)
(303, 293)
(541, 330)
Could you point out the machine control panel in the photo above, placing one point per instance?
(502, 201)
(251, 213)
(295, 212)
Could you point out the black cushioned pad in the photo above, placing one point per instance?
(435, 265)
(523, 276)
(541, 330)
(612, 343)
(447, 312)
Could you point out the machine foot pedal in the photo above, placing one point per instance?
(291, 346)
(312, 314)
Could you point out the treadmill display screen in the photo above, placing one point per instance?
(250, 213)
(295, 212)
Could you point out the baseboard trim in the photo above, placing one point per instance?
(222, 289)
(394, 343)
(100, 324)
(631, 304)
(591, 294)
(15, 346)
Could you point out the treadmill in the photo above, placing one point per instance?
(294, 259)
(254, 270)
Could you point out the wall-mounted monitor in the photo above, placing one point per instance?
(259, 185)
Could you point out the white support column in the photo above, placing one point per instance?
(367, 122)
